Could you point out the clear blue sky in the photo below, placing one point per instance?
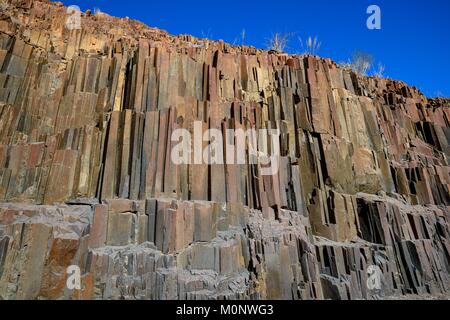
(413, 44)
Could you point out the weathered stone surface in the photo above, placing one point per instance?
(86, 177)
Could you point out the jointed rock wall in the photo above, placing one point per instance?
(86, 177)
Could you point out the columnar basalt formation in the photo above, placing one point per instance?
(86, 177)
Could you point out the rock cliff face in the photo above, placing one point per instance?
(86, 177)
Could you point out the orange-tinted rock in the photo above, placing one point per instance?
(86, 118)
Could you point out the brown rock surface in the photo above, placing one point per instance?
(86, 177)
